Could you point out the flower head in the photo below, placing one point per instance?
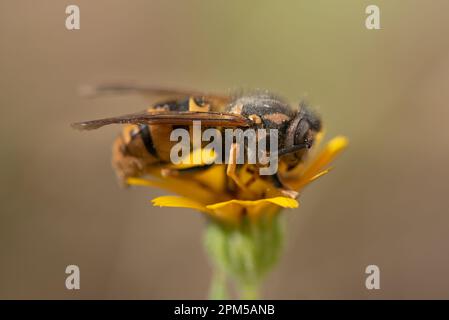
(207, 190)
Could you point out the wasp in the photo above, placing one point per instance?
(144, 143)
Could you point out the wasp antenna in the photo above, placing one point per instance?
(292, 149)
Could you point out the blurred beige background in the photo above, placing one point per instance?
(385, 203)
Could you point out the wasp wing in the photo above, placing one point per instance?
(207, 118)
(154, 93)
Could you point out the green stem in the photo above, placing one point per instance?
(249, 291)
(218, 289)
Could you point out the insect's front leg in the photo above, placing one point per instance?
(232, 166)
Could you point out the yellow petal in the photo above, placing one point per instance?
(233, 210)
(318, 139)
(316, 165)
(319, 175)
(179, 202)
(206, 185)
(229, 211)
(330, 152)
(186, 188)
(232, 217)
(283, 202)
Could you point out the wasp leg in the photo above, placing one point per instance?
(285, 190)
(232, 166)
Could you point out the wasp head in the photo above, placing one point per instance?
(300, 134)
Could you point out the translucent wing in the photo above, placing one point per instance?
(153, 93)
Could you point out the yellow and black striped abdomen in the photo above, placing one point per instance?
(141, 147)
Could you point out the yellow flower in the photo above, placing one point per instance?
(206, 191)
